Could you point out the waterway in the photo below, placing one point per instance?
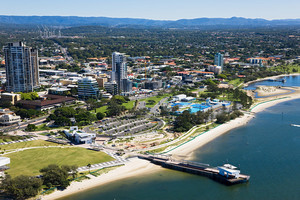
(268, 149)
(290, 81)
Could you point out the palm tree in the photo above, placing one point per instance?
(89, 166)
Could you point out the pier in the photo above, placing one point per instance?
(227, 174)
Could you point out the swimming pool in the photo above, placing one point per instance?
(192, 107)
(181, 104)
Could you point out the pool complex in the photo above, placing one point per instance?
(193, 107)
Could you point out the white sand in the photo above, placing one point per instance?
(187, 149)
(138, 167)
(133, 168)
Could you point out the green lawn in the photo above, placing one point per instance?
(155, 98)
(21, 145)
(236, 82)
(102, 109)
(129, 105)
(29, 162)
(286, 68)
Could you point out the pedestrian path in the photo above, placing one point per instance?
(117, 162)
(24, 140)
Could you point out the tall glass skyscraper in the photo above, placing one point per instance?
(22, 70)
(219, 61)
(119, 72)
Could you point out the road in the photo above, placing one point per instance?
(155, 109)
(23, 125)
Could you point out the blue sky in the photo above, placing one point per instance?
(155, 9)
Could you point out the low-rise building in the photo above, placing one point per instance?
(4, 161)
(47, 102)
(101, 82)
(59, 91)
(179, 97)
(10, 97)
(79, 136)
(216, 69)
(8, 117)
(111, 87)
(153, 85)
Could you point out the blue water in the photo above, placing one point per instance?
(267, 148)
(194, 107)
(198, 107)
(181, 104)
(290, 81)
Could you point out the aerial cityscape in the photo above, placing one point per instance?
(149, 100)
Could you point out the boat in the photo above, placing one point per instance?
(296, 125)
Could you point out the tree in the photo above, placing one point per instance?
(21, 187)
(65, 111)
(31, 127)
(183, 122)
(62, 121)
(118, 99)
(175, 108)
(151, 102)
(86, 116)
(222, 118)
(29, 96)
(100, 115)
(89, 166)
(164, 111)
(222, 76)
(73, 170)
(53, 175)
(115, 109)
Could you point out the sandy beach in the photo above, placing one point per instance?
(264, 91)
(134, 167)
(138, 167)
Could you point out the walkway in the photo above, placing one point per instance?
(117, 162)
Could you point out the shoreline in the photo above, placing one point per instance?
(189, 148)
(138, 167)
(134, 167)
(270, 77)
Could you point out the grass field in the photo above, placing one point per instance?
(155, 98)
(236, 82)
(102, 109)
(129, 105)
(21, 145)
(29, 162)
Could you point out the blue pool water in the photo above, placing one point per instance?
(198, 107)
(181, 104)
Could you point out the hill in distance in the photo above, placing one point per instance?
(123, 22)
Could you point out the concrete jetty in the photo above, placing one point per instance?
(226, 174)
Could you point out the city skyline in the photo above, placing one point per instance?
(166, 10)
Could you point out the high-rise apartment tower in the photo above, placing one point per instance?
(22, 70)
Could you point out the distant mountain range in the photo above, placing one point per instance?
(131, 22)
